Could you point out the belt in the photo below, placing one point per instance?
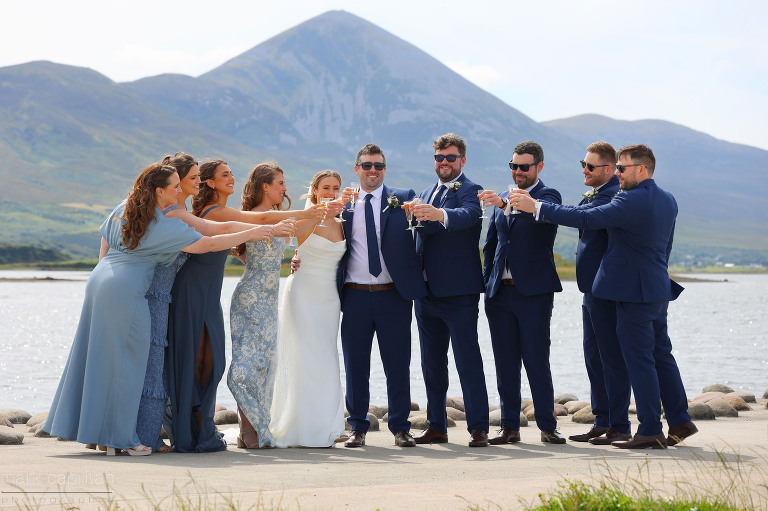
(370, 287)
(507, 282)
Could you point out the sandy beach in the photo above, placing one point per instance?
(43, 473)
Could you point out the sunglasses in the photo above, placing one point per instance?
(590, 166)
(450, 157)
(524, 167)
(366, 165)
(622, 168)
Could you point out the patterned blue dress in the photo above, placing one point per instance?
(155, 393)
(253, 323)
(98, 397)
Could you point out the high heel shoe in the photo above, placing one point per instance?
(139, 450)
(248, 438)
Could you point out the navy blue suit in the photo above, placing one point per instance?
(607, 372)
(448, 314)
(519, 315)
(633, 273)
(387, 314)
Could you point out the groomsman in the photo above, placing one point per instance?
(448, 245)
(379, 277)
(633, 273)
(607, 372)
(520, 285)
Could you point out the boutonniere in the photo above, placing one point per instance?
(454, 186)
(589, 195)
(392, 202)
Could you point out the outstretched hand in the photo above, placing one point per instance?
(285, 228)
(261, 232)
(522, 201)
(491, 198)
(427, 212)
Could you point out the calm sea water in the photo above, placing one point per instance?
(719, 330)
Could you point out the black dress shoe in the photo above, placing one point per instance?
(431, 436)
(552, 436)
(609, 437)
(592, 433)
(677, 434)
(356, 439)
(643, 442)
(505, 435)
(479, 438)
(404, 439)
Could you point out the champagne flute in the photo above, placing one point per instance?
(409, 215)
(415, 202)
(293, 242)
(338, 218)
(482, 203)
(355, 191)
(513, 189)
(324, 201)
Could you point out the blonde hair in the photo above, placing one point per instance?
(312, 195)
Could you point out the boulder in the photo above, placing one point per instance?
(41, 434)
(492, 407)
(746, 396)
(5, 422)
(633, 409)
(220, 408)
(38, 418)
(703, 398)
(9, 436)
(374, 422)
(495, 419)
(530, 413)
(721, 408)
(384, 409)
(575, 406)
(455, 402)
(700, 411)
(737, 402)
(451, 423)
(717, 387)
(414, 406)
(525, 403)
(564, 398)
(455, 414)
(560, 410)
(419, 422)
(33, 429)
(375, 410)
(15, 415)
(584, 416)
(765, 394)
(225, 417)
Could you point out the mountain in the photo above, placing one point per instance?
(73, 140)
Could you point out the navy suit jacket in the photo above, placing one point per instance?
(451, 257)
(525, 245)
(397, 247)
(641, 226)
(593, 242)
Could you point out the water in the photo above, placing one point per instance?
(719, 331)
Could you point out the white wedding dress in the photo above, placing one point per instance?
(308, 405)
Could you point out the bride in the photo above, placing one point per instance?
(308, 404)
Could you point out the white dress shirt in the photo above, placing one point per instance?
(432, 197)
(357, 266)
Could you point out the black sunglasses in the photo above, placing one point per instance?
(450, 157)
(366, 165)
(524, 167)
(622, 168)
(590, 166)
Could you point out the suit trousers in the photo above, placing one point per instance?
(519, 328)
(388, 315)
(444, 320)
(653, 371)
(607, 372)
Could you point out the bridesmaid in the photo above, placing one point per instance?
(98, 397)
(196, 356)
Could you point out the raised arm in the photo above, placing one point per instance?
(208, 227)
(227, 214)
(225, 241)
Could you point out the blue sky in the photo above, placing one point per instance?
(703, 64)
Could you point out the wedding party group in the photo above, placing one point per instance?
(149, 350)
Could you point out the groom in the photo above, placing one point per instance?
(378, 277)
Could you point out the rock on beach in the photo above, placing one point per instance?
(737, 402)
(584, 416)
(38, 418)
(5, 422)
(700, 411)
(564, 398)
(225, 417)
(9, 436)
(495, 419)
(16, 415)
(575, 406)
(721, 408)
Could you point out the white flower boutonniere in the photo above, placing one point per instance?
(589, 195)
(454, 186)
(392, 202)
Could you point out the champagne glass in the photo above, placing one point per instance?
(293, 242)
(338, 218)
(355, 191)
(415, 202)
(324, 201)
(513, 189)
(409, 215)
(482, 203)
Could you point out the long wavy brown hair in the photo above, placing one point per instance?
(312, 194)
(141, 202)
(206, 195)
(253, 191)
(182, 162)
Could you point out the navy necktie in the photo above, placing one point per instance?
(436, 199)
(374, 263)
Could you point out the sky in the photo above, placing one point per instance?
(702, 64)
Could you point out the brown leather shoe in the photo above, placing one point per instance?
(552, 436)
(479, 438)
(643, 442)
(356, 439)
(592, 433)
(431, 436)
(505, 435)
(404, 439)
(609, 437)
(677, 434)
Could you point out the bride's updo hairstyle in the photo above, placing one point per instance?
(207, 195)
(182, 162)
(312, 194)
(253, 191)
(140, 205)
